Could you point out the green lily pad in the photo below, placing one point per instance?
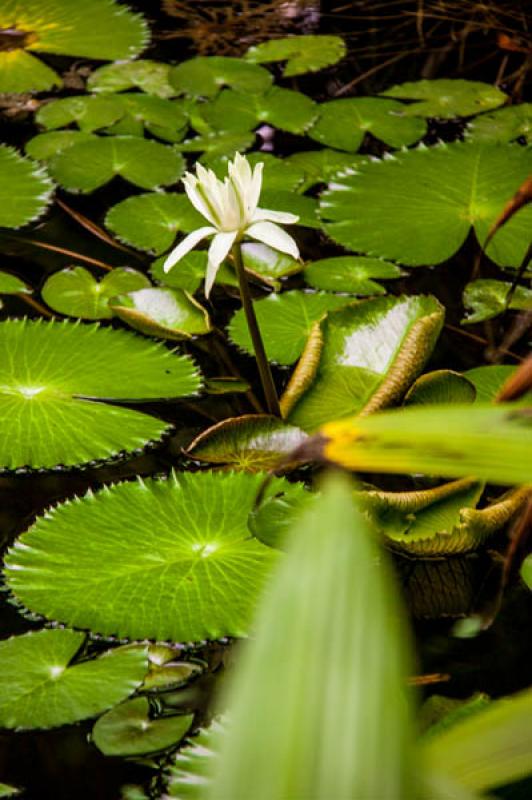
(302, 53)
(42, 688)
(167, 673)
(447, 98)
(150, 221)
(353, 274)
(305, 207)
(11, 284)
(8, 791)
(344, 123)
(88, 112)
(217, 144)
(189, 772)
(487, 299)
(129, 730)
(253, 442)
(270, 265)
(148, 76)
(54, 376)
(166, 559)
(188, 275)
(162, 312)
(489, 380)
(278, 173)
(526, 571)
(441, 386)
(205, 76)
(86, 166)
(64, 28)
(320, 165)
(285, 109)
(355, 375)
(285, 322)
(418, 207)
(74, 291)
(25, 191)
(45, 146)
(505, 125)
(161, 117)
(274, 520)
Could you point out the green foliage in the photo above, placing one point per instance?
(45, 146)
(505, 125)
(25, 189)
(427, 200)
(206, 75)
(283, 108)
(64, 28)
(129, 730)
(188, 774)
(441, 386)
(488, 298)
(45, 687)
(74, 291)
(166, 313)
(148, 76)
(301, 53)
(447, 98)
(53, 377)
(12, 284)
(166, 560)
(86, 166)
(344, 123)
(353, 274)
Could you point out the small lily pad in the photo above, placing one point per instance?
(252, 442)
(161, 312)
(161, 117)
(273, 521)
(86, 166)
(205, 76)
(285, 321)
(189, 274)
(356, 376)
(488, 298)
(320, 165)
(129, 729)
(169, 560)
(42, 688)
(441, 386)
(217, 144)
(150, 221)
(301, 53)
(505, 125)
(344, 123)
(47, 145)
(285, 109)
(11, 284)
(88, 112)
(76, 292)
(489, 380)
(54, 377)
(353, 274)
(270, 265)
(25, 189)
(148, 76)
(447, 98)
(278, 173)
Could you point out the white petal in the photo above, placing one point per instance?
(274, 236)
(187, 244)
(254, 189)
(191, 188)
(220, 247)
(284, 217)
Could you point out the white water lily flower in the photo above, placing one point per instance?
(231, 208)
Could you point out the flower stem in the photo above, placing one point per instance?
(268, 386)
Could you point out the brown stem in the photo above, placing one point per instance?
(268, 386)
(35, 304)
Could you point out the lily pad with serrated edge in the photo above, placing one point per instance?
(162, 312)
(446, 98)
(88, 112)
(148, 76)
(418, 207)
(253, 442)
(301, 53)
(344, 123)
(205, 76)
(150, 221)
(44, 686)
(285, 109)
(188, 773)
(285, 322)
(47, 145)
(353, 274)
(320, 165)
(504, 125)
(355, 375)
(489, 380)
(441, 386)
(86, 166)
(12, 284)
(25, 189)
(64, 28)
(157, 559)
(54, 377)
(74, 291)
(129, 729)
(486, 298)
